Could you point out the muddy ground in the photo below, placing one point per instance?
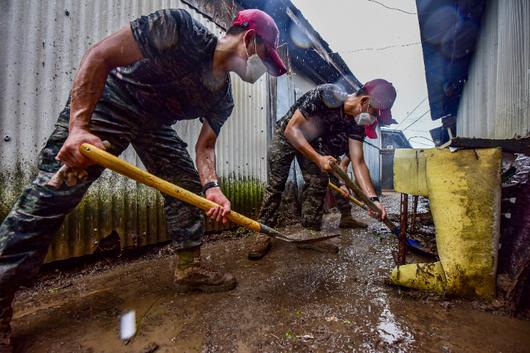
(291, 301)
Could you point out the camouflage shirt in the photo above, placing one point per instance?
(336, 145)
(324, 106)
(174, 80)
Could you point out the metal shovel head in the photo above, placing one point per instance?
(299, 237)
(315, 239)
(416, 246)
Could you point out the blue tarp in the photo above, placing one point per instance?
(449, 32)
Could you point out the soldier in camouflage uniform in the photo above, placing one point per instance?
(321, 115)
(130, 88)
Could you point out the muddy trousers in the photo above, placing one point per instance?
(281, 155)
(37, 215)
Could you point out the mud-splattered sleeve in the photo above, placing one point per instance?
(160, 33)
(217, 118)
(311, 102)
(357, 133)
(321, 100)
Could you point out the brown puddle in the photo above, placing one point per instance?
(291, 301)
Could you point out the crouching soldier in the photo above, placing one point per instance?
(319, 116)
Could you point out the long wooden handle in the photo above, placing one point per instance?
(339, 173)
(120, 166)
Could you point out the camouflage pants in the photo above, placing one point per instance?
(281, 155)
(38, 213)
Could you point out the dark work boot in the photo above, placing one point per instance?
(6, 313)
(191, 276)
(260, 248)
(347, 221)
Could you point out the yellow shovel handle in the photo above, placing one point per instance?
(120, 166)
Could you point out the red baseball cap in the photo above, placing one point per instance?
(267, 30)
(382, 96)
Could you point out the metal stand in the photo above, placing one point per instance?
(402, 254)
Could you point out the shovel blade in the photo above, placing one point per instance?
(306, 240)
(302, 238)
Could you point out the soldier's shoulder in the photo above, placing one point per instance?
(332, 95)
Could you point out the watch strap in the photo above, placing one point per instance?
(209, 185)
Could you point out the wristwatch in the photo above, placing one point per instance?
(209, 185)
(374, 198)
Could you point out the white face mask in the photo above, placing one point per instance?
(255, 67)
(365, 119)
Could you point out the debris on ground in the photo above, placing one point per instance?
(340, 300)
(151, 348)
(128, 325)
(513, 279)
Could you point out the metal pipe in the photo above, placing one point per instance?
(404, 208)
(414, 214)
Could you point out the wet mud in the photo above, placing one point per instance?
(292, 300)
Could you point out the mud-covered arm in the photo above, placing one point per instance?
(362, 174)
(295, 133)
(118, 49)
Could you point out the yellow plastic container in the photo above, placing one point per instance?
(464, 192)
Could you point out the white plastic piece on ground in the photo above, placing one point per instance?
(128, 325)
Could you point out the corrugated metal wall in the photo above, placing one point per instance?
(40, 49)
(496, 99)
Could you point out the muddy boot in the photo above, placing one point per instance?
(260, 248)
(326, 246)
(6, 313)
(191, 276)
(347, 221)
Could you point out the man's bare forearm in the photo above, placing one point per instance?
(205, 160)
(297, 139)
(87, 89)
(362, 175)
(118, 49)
